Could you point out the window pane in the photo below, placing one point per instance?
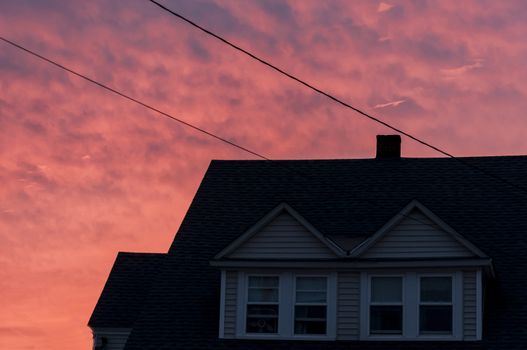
(310, 319)
(386, 289)
(386, 319)
(311, 283)
(263, 295)
(436, 289)
(311, 297)
(310, 327)
(263, 281)
(311, 312)
(262, 319)
(435, 319)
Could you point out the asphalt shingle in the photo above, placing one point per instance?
(126, 290)
(344, 199)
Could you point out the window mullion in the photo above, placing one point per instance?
(457, 305)
(411, 306)
(286, 305)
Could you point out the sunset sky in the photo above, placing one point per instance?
(85, 174)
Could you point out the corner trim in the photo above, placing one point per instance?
(222, 305)
(479, 306)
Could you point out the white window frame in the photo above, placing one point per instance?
(286, 308)
(386, 336)
(247, 302)
(326, 304)
(419, 303)
(411, 302)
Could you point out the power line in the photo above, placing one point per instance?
(106, 87)
(245, 149)
(299, 80)
(222, 139)
(336, 99)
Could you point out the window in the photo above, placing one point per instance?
(412, 305)
(435, 306)
(262, 304)
(386, 305)
(310, 305)
(286, 305)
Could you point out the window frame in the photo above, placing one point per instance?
(457, 305)
(286, 305)
(370, 278)
(411, 302)
(294, 304)
(421, 303)
(248, 302)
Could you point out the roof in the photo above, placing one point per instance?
(126, 290)
(346, 200)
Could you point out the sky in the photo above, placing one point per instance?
(85, 174)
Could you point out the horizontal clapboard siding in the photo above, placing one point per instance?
(116, 339)
(419, 238)
(283, 238)
(231, 286)
(348, 303)
(469, 305)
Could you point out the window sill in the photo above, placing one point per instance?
(281, 337)
(431, 337)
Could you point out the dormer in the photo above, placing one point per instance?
(415, 278)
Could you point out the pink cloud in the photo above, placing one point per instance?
(85, 174)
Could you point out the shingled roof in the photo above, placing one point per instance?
(346, 199)
(126, 290)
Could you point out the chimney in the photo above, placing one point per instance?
(388, 146)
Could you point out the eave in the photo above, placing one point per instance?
(357, 264)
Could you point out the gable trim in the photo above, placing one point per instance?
(403, 214)
(339, 252)
(356, 264)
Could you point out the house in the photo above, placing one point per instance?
(384, 253)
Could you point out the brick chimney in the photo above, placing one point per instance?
(388, 146)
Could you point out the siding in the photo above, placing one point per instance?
(469, 305)
(231, 286)
(348, 303)
(417, 239)
(283, 237)
(116, 337)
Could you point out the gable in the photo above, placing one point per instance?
(284, 237)
(416, 235)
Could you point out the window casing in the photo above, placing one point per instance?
(435, 305)
(306, 306)
(311, 305)
(386, 305)
(430, 307)
(262, 304)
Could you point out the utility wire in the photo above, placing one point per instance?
(301, 81)
(336, 99)
(106, 87)
(222, 139)
(196, 128)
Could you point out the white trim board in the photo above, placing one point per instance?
(355, 265)
(222, 304)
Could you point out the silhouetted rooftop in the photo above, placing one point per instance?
(346, 200)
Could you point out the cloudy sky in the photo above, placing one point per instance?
(85, 174)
